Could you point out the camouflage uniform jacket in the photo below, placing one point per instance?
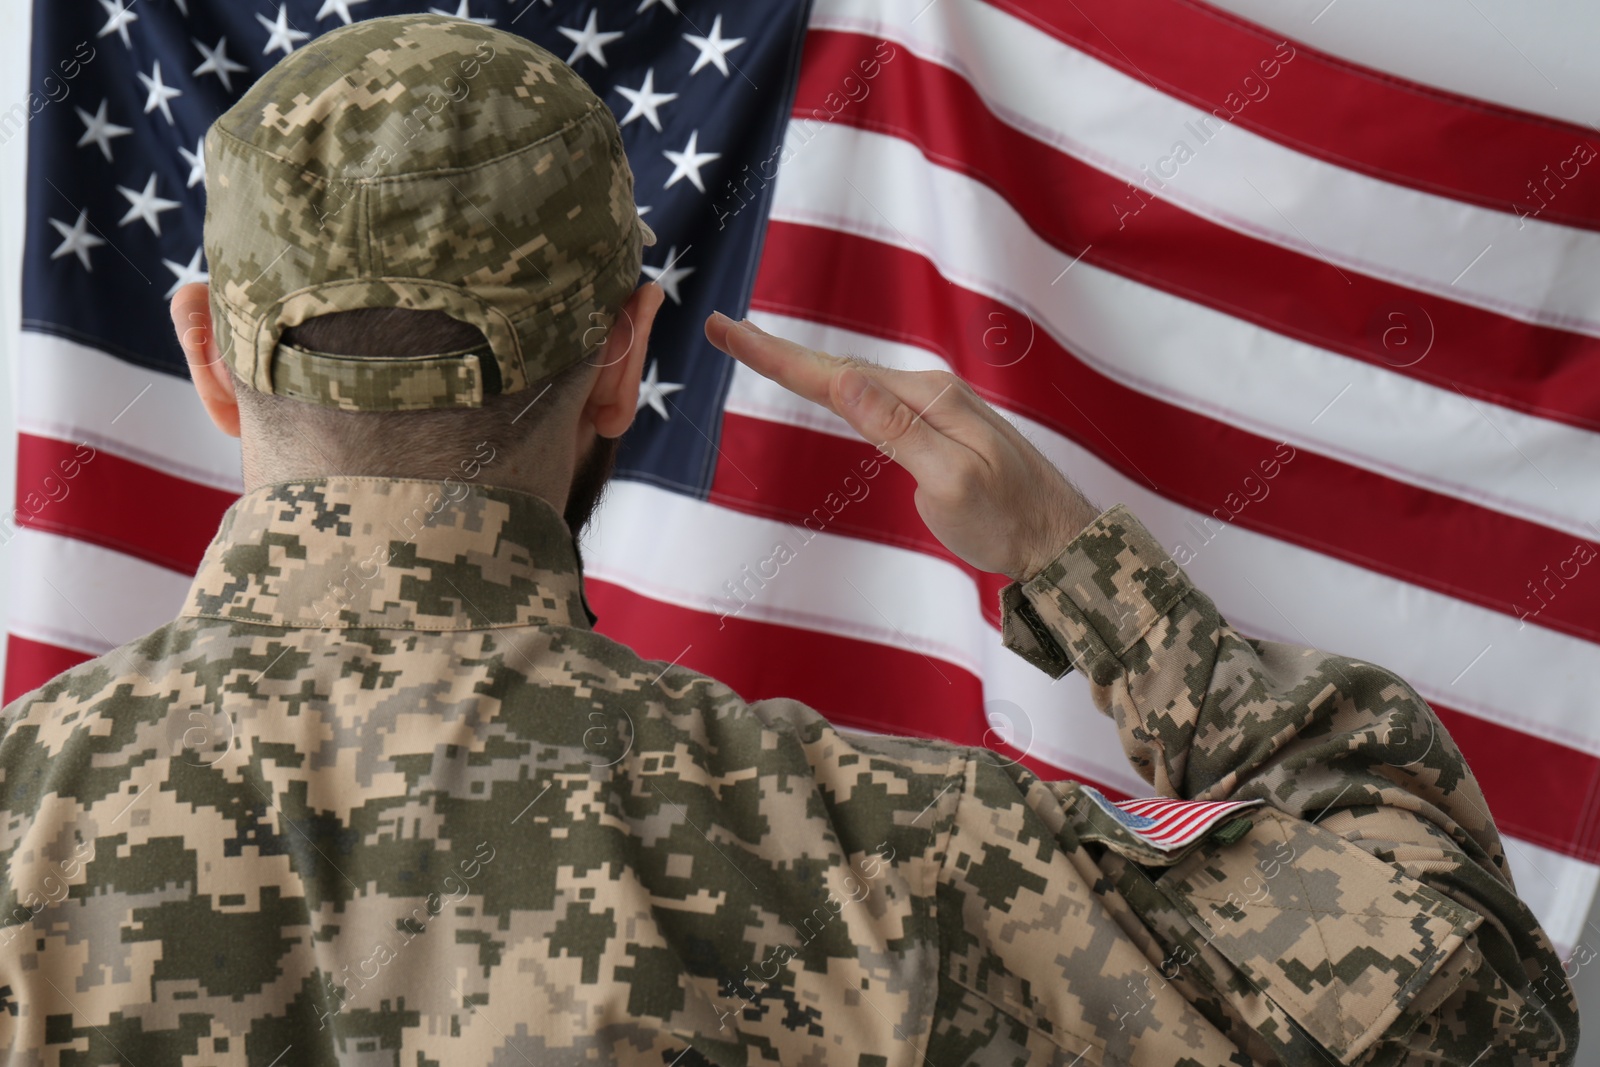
(381, 795)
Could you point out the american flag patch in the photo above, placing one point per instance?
(1167, 823)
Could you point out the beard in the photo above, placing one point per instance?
(589, 483)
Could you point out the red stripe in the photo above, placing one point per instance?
(1355, 117)
(1164, 806)
(1488, 558)
(1071, 205)
(1185, 825)
(116, 503)
(1159, 809)
(1202, 822)
(1553, 806)
(30, 664)
(1171, 814)
(890, 690)
(865, 685)
(821, 482)
(894, 691)
(1553, 815)
(1177, 820)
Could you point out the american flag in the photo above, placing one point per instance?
(1327, 331)
(1168, 824)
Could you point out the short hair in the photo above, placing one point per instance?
(429, 443)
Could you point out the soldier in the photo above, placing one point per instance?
(381, 794)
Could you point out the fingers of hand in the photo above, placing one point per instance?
(874, 403)
(803, 371)
(971, 464)
(937, 399)
(717, 327)
(905, 412)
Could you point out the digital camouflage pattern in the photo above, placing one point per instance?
(418, 161)
(382, 796)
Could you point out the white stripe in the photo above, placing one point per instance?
(1552, 666)
(903, 598)
(1117, 123)
(1532, 678)
(1190, 355)
(72, 392)
(1533, 57)
(680, 551)
(642, 534)
(81, 596)
(96, 598)
(1558, 888)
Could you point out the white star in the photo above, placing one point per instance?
(655, 392)
(217, 62)
(189, 272)
(146, 205)
(196, 161)
(160, 93)
(78, 239)
(461, 13)
(98, 129)
(670, 5)
(587, 41)
(713, 49)
(643, 211)
(183, 6)
(117, 19)
(283, 36)
(687, 164)
(668, 276)
(337, 7)
(645, 100)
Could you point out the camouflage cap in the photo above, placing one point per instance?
(427, 162)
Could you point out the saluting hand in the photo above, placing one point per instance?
(985, 492)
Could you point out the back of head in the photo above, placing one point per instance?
(415, 226)
(288, 437)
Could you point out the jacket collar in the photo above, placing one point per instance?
(393, 553)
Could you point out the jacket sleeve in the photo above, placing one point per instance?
(1341, 751)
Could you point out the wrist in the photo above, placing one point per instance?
(1066, 521)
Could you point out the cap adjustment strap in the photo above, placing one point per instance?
(391, 383)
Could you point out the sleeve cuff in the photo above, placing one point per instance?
(1094, 601)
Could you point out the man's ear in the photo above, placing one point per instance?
(614, 397)
(191, 317)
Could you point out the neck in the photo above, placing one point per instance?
(527, 468)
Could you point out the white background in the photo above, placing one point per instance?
(1537, 57)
